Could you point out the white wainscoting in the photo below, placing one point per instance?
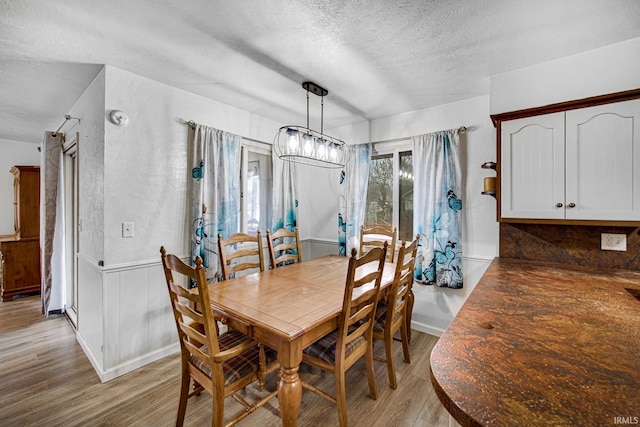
(435, 307)
(315, 248)
(125, 319)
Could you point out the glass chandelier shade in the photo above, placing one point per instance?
(302, 145)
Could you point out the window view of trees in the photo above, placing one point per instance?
(405, 225)
(380, 194)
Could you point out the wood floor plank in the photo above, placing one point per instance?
(46, 379)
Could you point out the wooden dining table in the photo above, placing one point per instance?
(287, 309)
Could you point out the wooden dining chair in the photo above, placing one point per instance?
(392, 313)
(353, 339)
(284, 247)
(374, 237)
(220, 364)
(240, 252)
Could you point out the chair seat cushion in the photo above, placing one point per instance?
(381, 316)
(240, 366)
(325, 348)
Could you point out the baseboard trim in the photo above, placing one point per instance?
(427, 329)
(97, 367)
(138, 362)
(128, 366)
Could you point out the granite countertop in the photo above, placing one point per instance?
(541, 344)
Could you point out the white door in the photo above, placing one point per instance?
(532, 167)
(603, 162)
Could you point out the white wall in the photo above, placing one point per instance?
(89, 108)
(609, 69)
(136, 173)
(12, 153)
(146, 162)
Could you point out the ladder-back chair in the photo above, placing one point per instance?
(375, 237)
(284, 247)
(340, 349)
(220, 364)
(392, 313)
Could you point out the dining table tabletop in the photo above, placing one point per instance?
(289, 308)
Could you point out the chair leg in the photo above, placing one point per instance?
(184, 395)
(217, 410)
(405, 337)
(371, 376)
(341, 399)
(391, 367)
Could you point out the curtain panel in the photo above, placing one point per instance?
(354, 180)
(215, 197)
(285, 194)
(438, 208)
(52, 224)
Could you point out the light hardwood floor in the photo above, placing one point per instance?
(46, 380)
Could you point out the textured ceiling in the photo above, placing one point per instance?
(376, 58)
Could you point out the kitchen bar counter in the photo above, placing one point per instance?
(543, 345)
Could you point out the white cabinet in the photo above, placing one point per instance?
(532, 167)
(603, 162)
(578, 165)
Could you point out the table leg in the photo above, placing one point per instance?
(289, 385)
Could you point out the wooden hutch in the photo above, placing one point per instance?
(20, 252)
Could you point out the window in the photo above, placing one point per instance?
(256, 176)
(390, 192)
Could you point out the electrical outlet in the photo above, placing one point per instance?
(613, 242)
(127, 229)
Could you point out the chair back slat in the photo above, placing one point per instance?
(284, 247)
(403, 278)
(192, 326)
(375, 237)
(240, 252)
(361, 296)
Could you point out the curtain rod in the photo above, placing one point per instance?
(461, 129)
(66, 119)
(193, 124)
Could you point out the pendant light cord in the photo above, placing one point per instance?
(321, 115)
(308, 109)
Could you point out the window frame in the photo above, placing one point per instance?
(246, 146)
(394, 148)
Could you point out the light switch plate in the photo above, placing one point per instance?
(613, 242)
(127, 229)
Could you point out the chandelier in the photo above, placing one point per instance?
(302, 145)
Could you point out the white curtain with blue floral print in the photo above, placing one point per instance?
(354, 180)
(215, 197)
(437, 208)
(285, 194)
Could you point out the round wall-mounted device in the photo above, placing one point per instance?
(118, 118)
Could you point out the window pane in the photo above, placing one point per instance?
(259, 182)
(406, 197)
(380, 192)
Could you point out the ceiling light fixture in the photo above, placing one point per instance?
(302, 145)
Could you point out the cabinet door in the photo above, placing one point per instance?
(532, 167)
(603, 162)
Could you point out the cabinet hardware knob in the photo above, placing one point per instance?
(558, 205)
(571, 205)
